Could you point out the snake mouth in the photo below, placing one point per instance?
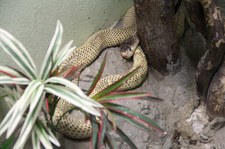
(126, 54)
(128, 47)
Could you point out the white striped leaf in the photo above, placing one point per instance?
(52, 138)
(9, 80)
(16, 54)
(35, 141)
(56, 41)
(52, 52)
(23, 104)
(72, 98)
(20, 46)
(65, 54)
(87, 100)
(10, 95)
(10, 101)
(62, 54)
(34, 110)
(42, 135)
(9, 71)
(5, 122)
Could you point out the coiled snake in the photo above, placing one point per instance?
(84, 56)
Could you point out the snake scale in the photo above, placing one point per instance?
(89, 51)
(84, 56)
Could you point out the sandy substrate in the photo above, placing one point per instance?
(184, 129)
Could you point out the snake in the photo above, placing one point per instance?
(88, 52)
(84, 55)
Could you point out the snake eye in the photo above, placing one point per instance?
(129, 49)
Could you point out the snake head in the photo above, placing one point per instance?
(127, 48)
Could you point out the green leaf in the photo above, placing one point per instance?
(87, 100)
(7, 143)
(9, 72)
(32, 115)
(35, 141)
(110, 126)
(9, 80)
(52, 137)
(48, 132)
(125, 138)
(42, 135)
(98, 76)
(130, 120)
(21, 48)
(3, 93)
(56, 41)
(14, 93)
(18, 53)
(53, 49)
(64, 52)
(5, 122)
(19, 72)
(94, 137)
(53, 106)
(118, 96)
(115, 85)
(134, 115)
(10, 100)
(110, 141)
(21, 106)
(102, 129)
(69, 96)
(72, 73)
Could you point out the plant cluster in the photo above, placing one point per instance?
(29, 93)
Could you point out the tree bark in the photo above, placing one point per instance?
(196, 16)
(215, 99)
(212, 59)
(157, 34)
(156, 28)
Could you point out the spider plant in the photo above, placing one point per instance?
(109, 98)
(26, 90)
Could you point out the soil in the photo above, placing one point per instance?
(181, 114)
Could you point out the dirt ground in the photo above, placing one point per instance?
(181, 114)
(185, 129)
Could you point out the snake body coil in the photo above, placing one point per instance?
(84, 56)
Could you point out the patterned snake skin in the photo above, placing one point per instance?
(88, 52)
(84, 56)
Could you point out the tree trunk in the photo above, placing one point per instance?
(157, 34)
(215, 99)
(157, 31)
(212, 59)
(196, 16)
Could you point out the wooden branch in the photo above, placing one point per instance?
(215, 99)
(212, 59)
(156, 31)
